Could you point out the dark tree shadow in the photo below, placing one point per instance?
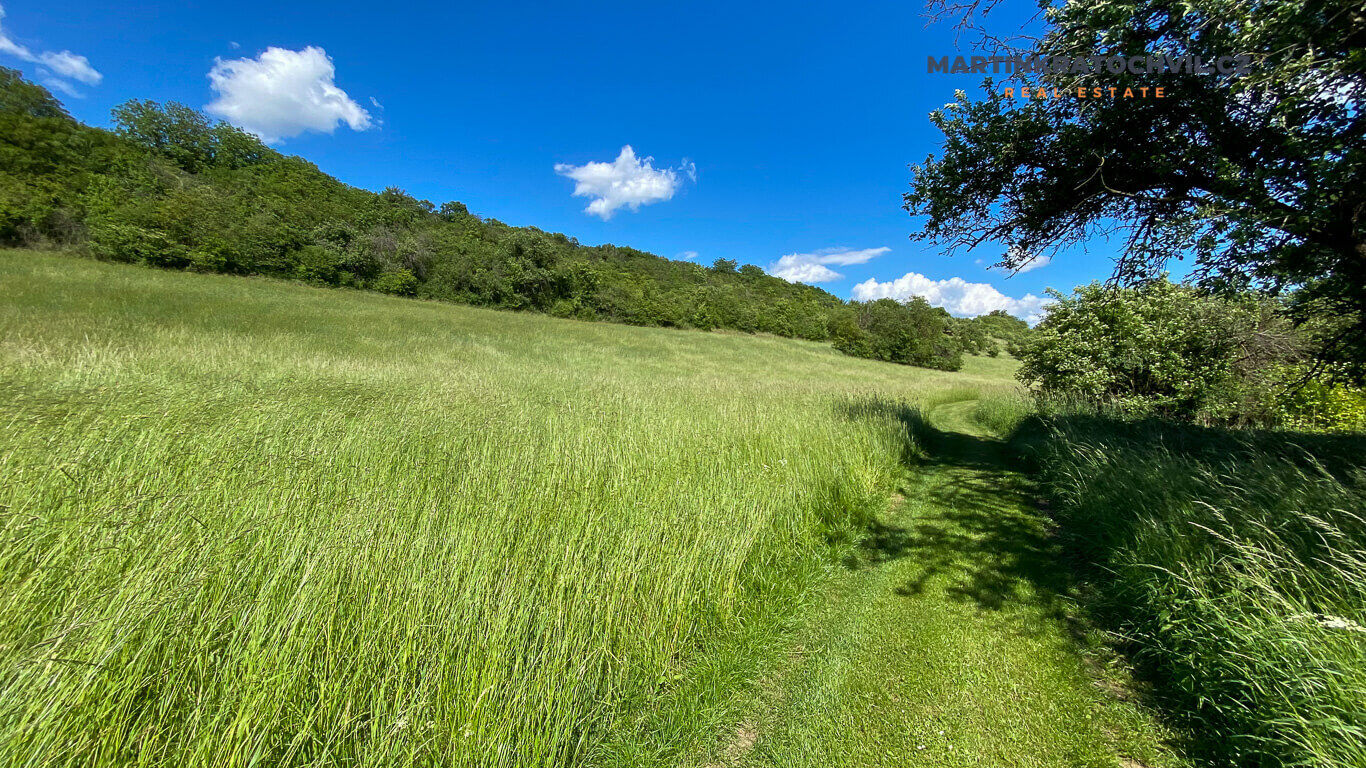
(1341, 455)
(981, 534)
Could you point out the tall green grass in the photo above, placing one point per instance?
(246, 523)
(1234, 565)
(1003, 412)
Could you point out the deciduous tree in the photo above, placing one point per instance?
(1261, 179)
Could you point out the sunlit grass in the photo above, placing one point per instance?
(251, 523)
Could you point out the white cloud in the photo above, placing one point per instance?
(846, 256)
(282, 93)
(955, 294)
(688, 255)
(812, 267)
(56, 67)
(69, 65)
(1029, 266)
(803, 272)
(626, 181)
(56, 84)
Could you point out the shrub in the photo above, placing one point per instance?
(1325, 406)
(913, 333)
(128, 242)
(318, 263)
(1163, 349)
(399, 282)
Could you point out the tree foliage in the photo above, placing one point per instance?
(170, 188)
(985, 334)
(1261, 179)
(1167, 349)
(911, 333)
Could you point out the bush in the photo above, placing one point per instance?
(1324, 406)
(318, 263)
(1164, 349)
(972, 336)
(913, 333)
(399, 283)
(128, 242)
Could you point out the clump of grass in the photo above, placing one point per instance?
(1002, 412)
(1235, 564)
(247, 523)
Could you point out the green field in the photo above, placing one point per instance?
(301, 474)
(254, 523)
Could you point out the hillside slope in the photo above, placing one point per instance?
(249, 522)
(170, 189)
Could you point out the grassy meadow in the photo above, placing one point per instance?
(247, 522)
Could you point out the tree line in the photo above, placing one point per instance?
(169, 188)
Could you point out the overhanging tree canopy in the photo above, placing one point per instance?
(1260, 178)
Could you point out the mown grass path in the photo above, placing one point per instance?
(949, 643)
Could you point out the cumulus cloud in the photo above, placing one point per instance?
(627, 182)
(955, 294)
(56, 68)
(282, 93)
(812, 267)
(688, 255)
(803, 272)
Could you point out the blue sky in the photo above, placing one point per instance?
(780, 129)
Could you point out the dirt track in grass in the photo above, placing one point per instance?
(950, 642)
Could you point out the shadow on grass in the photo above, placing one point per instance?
(1340, 455)
(975, 531)
(1143, 498)
(1155, 471)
